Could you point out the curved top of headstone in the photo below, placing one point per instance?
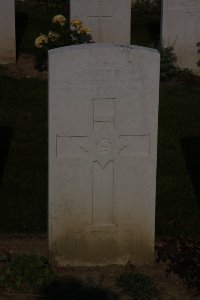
(96, 64)
(102, 46)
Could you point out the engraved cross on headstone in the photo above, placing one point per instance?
(103, 147)
(99, 17)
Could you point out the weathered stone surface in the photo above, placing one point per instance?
(109, 20)
(181, 29)
(103, 111)
(7, 32)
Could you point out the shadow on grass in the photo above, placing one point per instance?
(21, 21)
(5, 138)
(191, 151)
(75, 289)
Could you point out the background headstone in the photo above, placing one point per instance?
(109, 20)
(103, 111)
(7, 32)
(181, 29)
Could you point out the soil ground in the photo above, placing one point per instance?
(24, 68)
(171, 287)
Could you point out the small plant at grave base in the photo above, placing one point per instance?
(183, 259)
(186, 76)
(138, 285)
(169, 71)
(26, 274)
(61, 35)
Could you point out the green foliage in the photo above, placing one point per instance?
(183, 259)
(168, 60)
(26, 273)
(138, 285)
(186, 76)
(169, 71)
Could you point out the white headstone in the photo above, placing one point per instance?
(7, 32)
(103, 112)
(109, 20)
(181, 29)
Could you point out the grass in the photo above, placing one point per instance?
(23, 274)
(26, 274)
(23, 165)
(138, 285)
(23, 134)
(178, 197)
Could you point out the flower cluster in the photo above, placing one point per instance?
(79, 27)
(53, 36)
(59, 19)
(41, 40)
(78, 30)
(61, 35)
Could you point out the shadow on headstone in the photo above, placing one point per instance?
(191, 150)
(21, 20)
(76, 289)
(5, 140)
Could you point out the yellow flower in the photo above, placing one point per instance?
(53, 36)
(41, 40)
(59, 19)
(84, 29)
(76, 23)
(79, 26)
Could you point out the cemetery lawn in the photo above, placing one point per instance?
(23, 165)
(23, 155)
(178, 172)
